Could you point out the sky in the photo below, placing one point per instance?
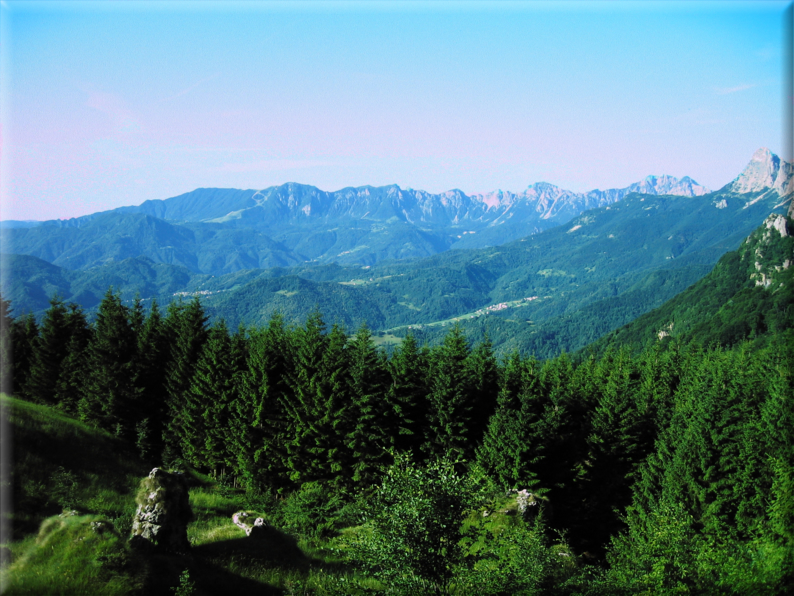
(109, 104)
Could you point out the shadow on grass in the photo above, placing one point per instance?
(272, 547)
(210, 579)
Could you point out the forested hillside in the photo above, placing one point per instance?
(217, 231)
(748, 294)
(668, 470)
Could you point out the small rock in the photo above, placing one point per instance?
(254, 530)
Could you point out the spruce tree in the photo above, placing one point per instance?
(260, 422)
(373, 428)
(6, 349)
(206, 435)
(24, 339)
(614, 449)
(484, 374)
(318, 405)
(75, 366)
(511, 450)
(151, 359)
(408, 395)
(450, 397)
(303, 404)
(48, 354)
(111, 387)
(185, 327)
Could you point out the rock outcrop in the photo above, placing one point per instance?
(163, 512)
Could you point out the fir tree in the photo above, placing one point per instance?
(450, 397)
(24, 339)
(152, 354)
(510, 451)
(206, 436)
(614, 449)
(408, 395)
(262, 428)
(317, 407)
(75, 366)
(6, 349)
(372, 433)
(111, 388)
(484, 373)
(185, 328)
(48, 354)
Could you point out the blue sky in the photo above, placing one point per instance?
(110, 104)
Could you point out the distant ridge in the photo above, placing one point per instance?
(295, 202)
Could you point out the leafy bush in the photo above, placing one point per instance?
(414, 527)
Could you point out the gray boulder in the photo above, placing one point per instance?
(163, 513)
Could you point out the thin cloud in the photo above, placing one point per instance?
(191, 88)
(728, 90)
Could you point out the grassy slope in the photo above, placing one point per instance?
(60, 464)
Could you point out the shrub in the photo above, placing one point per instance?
(413, 531)
(313, 511)
(63, 488)
(186, 586)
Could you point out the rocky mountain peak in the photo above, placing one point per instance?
(765, 171)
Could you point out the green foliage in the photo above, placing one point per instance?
(63, 488)
(676, 460)
(510, 451)
(372, 429)
(451, 397)
(407, 394)
(748, 294)
(313, 511)
(111, 391)
(414, 526)
(617, 264)
(186, 329)
(6, 347)
(186, 586)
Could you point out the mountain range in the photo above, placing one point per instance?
(557, 289)
(218, 231)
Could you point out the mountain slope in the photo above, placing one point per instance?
(749, 293)
(113, 237)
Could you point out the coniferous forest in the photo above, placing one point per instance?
(661, 471)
